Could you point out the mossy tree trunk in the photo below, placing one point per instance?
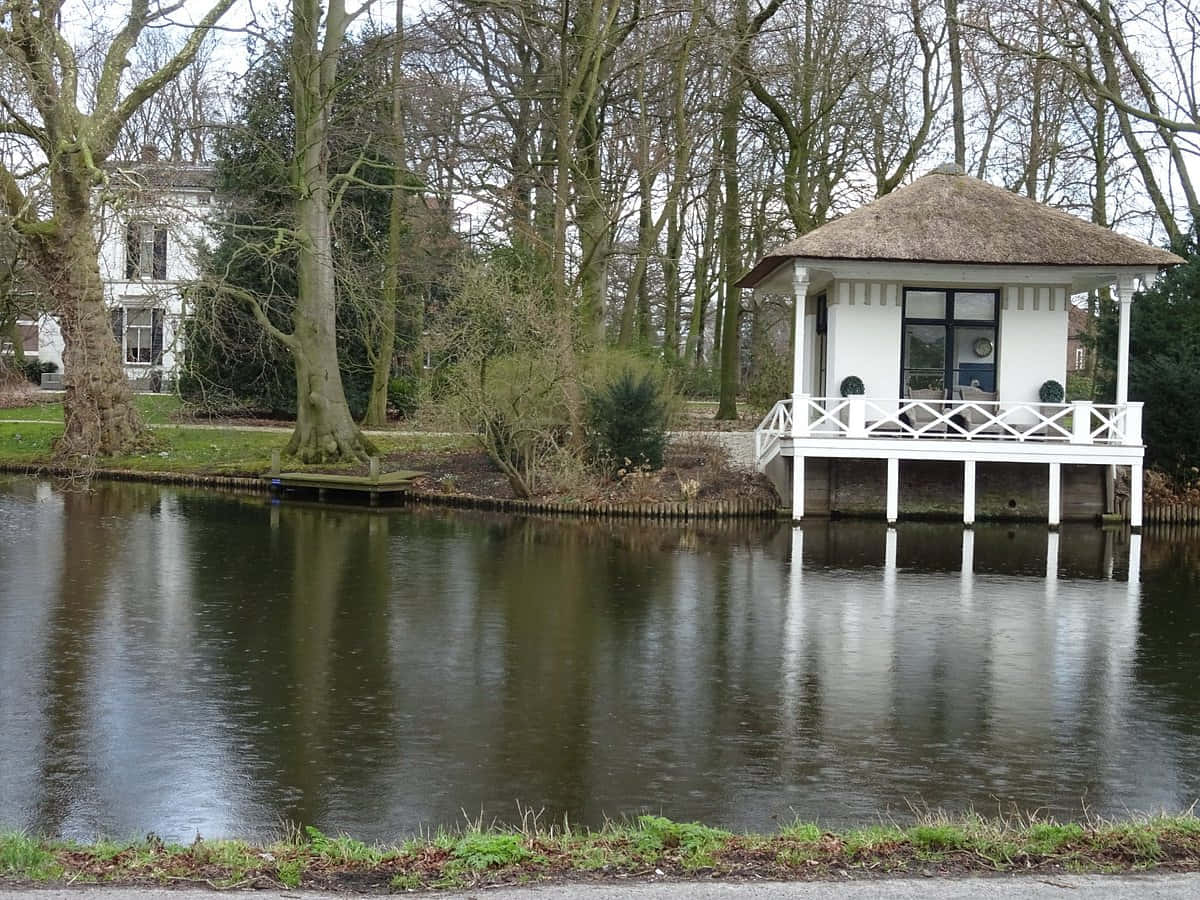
(98, 411)
(325, 430)
(55, 216)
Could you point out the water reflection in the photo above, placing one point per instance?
(181, 662)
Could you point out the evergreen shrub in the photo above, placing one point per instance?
(627, 422)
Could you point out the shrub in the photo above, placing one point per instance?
(696, 382)
(484, 851)
(404, 395)
(627, 421)
(33, 369)
(772, 381)
(1051, 392)
(852, 384)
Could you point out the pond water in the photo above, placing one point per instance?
(180, 662)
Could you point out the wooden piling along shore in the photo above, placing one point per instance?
(1161, 513)
(742, 508)
(1154, 513)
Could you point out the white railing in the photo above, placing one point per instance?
(860, 417)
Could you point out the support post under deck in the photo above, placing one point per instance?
(1135, 496)
(893, 489)
(797, 488)
(1055, 499)
(969, 493)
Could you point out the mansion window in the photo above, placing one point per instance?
(145, 251)
(139, 331)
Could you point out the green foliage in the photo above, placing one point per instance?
(404, 395)
(33, 369)
(1164, 362)
(1079, 386)
(937, 837)
(290, 872)
(340, 849)
(1051, 392)
(695, 841)
(1046, 838)
(230, 363)
(696, 382)
(852, 384)
(26, 857)
(627, 422)
(805, 832)
(771, 382)
(483, 850)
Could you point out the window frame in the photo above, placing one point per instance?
(950, 322)
(156, 329)
(142, 235)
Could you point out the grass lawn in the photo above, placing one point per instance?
(156, 409)
(481, 856)
(214, 451)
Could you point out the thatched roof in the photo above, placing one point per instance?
(948, 217)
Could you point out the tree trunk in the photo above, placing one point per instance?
(98, 411)
(958, 116)
(731, 237)
(385, 349)
(325, 430)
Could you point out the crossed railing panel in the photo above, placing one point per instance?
(973, 420)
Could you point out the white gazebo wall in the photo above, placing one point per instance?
(1032, 341)
(864, 334)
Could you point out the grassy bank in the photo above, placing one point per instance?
(648, 846)
(195, 450)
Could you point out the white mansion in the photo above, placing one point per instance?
(150, 220)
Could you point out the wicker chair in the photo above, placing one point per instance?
(973, 394)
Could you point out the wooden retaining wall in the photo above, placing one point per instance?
(740, 508)
(1161, 513)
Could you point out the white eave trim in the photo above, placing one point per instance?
(1074, 278)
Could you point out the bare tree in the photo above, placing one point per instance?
(70, 143)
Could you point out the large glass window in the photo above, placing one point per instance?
(949, 349)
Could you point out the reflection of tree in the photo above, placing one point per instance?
(1168, 625)
(300, 644)
(97, 526)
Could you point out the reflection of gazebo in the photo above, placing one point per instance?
(948, 300)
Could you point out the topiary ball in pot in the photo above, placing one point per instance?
(852, 384)
(1051, 392)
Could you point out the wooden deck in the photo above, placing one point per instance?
(389, 484)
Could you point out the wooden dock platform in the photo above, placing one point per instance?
(374, 486)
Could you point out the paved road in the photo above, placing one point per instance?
(1024, 887)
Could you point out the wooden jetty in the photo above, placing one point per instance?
(375, 484)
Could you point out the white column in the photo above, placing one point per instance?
(1052, 556)
(799, 408)
(969, 492)
(1125, 288)
(797, 487)
(893, 490)
(968, 552)
(1055, 503)
(889, 552)
(1135, 495)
